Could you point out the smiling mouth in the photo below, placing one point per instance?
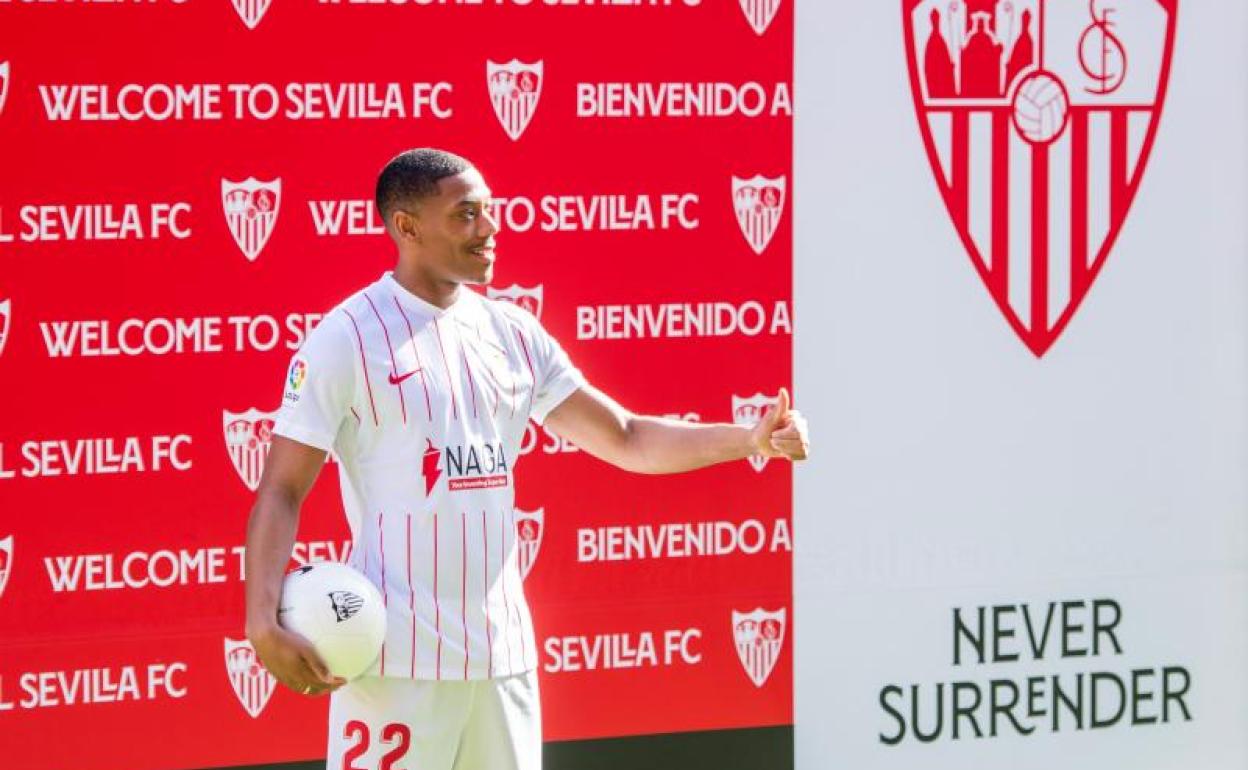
(484, 252)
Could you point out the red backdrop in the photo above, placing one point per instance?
(132, 321)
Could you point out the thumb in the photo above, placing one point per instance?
(317, 665)
(778, 410)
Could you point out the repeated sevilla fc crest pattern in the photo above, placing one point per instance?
(251, 11)
(6, 309)
(748, 411)
(252, 683)
(1038, 118)
(251, 212)
(528, 298)
(759, 204)
(760, 13)
(530, 525)
(759, 636)
(6, 561)
(247, 439)
(4, 84)
(515, 88)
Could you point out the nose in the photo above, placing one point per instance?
(487, 223)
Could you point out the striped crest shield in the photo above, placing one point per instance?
(760, 13)
(4, 84)
(253, 684)
(247, 439)
(759, 203)
(251, 11)
(759, 636)
(6, 309)
(515, 88)
(6, 561)
(528, 298)
(747, 412)
(251, 212)
(529, 530)
(1038, 118)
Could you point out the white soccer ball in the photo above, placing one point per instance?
(1041, 107)
(339, 611)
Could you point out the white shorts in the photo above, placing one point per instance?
(387, 723)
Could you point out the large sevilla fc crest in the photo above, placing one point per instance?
(247, 439)
(747, 412)
(759, 636)
(759, 203)
(528, 298)
(529, 529)
(6, 561)
(515, 88)
(1038, 117)
(252, 683)
(251, 11)
(251, 212)
(5, 312)
(4, 84)
(760, 13)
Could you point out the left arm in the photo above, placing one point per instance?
(593, 421)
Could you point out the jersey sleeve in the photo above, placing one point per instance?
(556, 377)
(319, 387)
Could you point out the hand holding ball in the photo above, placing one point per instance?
(339, 611)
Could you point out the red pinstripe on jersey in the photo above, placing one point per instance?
(463, 585)
(502, 579)
(528, 360)
(364, 365)
(385, 597)
(411, 593)
(450, 382)
(485, 565)
(437, 606)
(412, 339)
(393, 368)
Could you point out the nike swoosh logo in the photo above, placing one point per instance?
(396, 380)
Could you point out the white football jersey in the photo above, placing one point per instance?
(425, 410)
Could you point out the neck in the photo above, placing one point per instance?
(439, 293)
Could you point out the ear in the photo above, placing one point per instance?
(405, 226)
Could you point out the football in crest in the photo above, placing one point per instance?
(1038, 118)
(515, 88)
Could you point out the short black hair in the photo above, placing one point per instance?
(414, 174)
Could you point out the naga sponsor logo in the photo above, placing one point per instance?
(176, 336)
(1038, 118)
(4, 83)
(683, 100)
(759, 637)
(472, 466)
(682, 319)
(251, 11)
(90, 686)
(248, 437)
(530, 526)
(760, 13)
(98, 456)
(644, 649)
(6, 326)
(1013, 641)
(160, 102)
(6, 561)
(251, 209)
(527, 297)
(515, 88)
(165, 567)
(747, 412)
(52, 223)
(683, 540)
(759, 205)
(252, 683)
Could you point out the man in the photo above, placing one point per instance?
(423, 389)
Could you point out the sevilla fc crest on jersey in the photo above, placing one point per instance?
(759, 203)
(6, 561)
(748, 411)
(251, 11)
(529, 530)
(5, 312)
(1038, 117)
(251, 212)
(4, 84)
(759, 636)
(252, 683)
(760, 13)
(529, 299)
(515, 88)
(247, 439)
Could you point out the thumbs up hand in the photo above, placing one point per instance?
(782, 431)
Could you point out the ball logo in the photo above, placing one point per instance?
(251, 212)
(760, 13)
(6, 307)
(247, 439)
(759, 203)
(748, 411)
(759, 636)
(253, 684)
(345, 604)
(529, 530)
(515, 88)
(6, 561)
(1038, 118)
(4, 84)
(528, 298)
(251, 11)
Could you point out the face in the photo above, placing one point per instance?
(452, 232)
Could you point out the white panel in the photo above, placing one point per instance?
(1098, 182)
(941, 126)
(1137, 132)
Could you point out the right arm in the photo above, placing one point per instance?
(289, 472)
